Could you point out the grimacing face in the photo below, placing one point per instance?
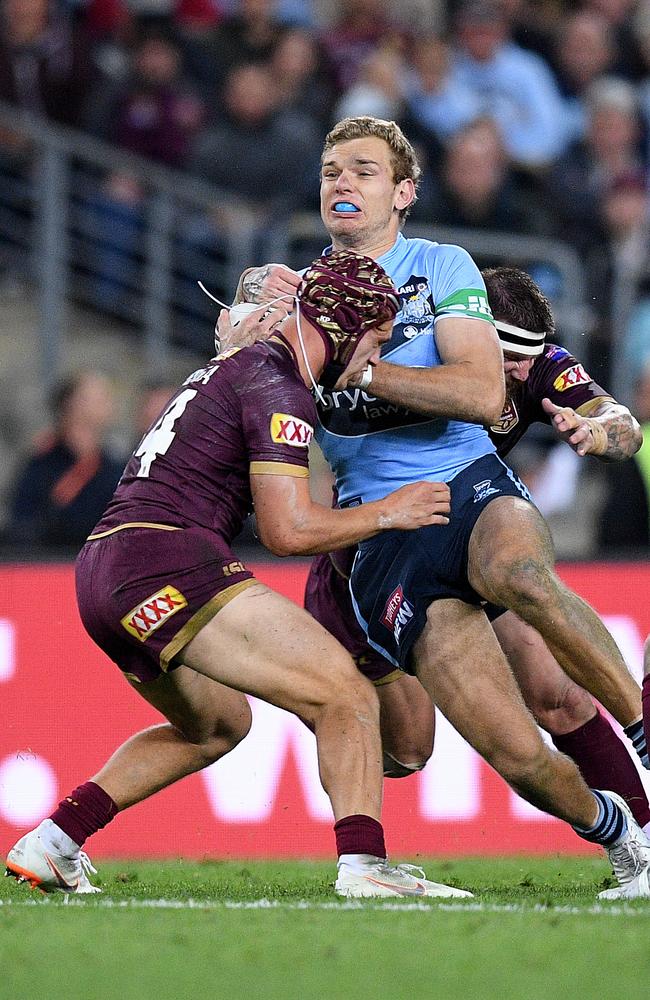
(359, 173)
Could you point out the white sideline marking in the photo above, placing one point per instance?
(596, 909)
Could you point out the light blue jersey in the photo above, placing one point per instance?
(375, 447)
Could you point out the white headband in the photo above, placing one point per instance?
(520, 341)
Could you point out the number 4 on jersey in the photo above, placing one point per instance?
(159, 438)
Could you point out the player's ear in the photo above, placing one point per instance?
(404, 194)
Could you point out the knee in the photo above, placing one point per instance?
(565, 709)
(218, 736)
(414, 761)
(524, 584)
(345, 691)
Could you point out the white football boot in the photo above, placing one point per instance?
(36, 860)
(370, 876)
(629, 858)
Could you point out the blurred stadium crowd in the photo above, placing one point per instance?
(530, 116)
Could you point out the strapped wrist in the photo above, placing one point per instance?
(366, 378)
(600, 439)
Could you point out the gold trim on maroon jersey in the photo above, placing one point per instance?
(587, 408)
(133, 524)
(200, 619)
(278, 469)
(394, 675)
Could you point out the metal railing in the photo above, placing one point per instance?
(106, 229)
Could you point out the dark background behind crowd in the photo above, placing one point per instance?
(530, 116)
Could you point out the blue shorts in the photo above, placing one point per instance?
(397, 574)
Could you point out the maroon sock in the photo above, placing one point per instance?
(359, 835)
(605, 763)
(84, 811)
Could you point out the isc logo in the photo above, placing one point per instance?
(286, 429)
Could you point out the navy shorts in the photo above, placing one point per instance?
(144, 593)
(397, 574)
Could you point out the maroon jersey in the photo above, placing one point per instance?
(247, 412)
(557, 375)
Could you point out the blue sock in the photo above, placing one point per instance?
(636, 736)
(610, 825)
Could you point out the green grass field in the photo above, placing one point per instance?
(275, 930)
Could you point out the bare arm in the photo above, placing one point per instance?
(609, 432)
(290, 523)
(469, 385)
(261, 284)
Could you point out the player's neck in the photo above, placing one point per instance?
(314, 348)
(375, 246)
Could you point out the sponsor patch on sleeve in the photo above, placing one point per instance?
(286, 429)
(153, 612)
(466, 302)
(576, 375)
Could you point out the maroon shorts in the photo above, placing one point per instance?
(327, 598)
(143, 593)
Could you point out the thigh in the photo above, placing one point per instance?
(198, 706)
(407, 719)
(460, 663)
(327, 599)
(509, 538)
(265, 645)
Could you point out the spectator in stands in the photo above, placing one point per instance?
(611, 148)
(300, 74)
(439, 103)
(256, 153)
(70, 477)
(479, 190)
(44, 62)
(362, 28)
(514, 86)
(624, 526)
(585, 50)
(620, 16)
(378, 90)
(248, 35)
(156, 113)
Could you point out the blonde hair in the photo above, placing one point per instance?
(402, 154)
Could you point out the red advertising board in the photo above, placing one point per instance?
(65, 708)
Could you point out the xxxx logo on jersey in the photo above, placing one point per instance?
(572, 376)
(286, 429)
(154, 611)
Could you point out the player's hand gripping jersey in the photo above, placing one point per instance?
(375, 447)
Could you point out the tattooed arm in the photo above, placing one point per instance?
(610, 432)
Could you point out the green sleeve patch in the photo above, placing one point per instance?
(470, 302)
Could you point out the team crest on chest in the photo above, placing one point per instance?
(508, 419)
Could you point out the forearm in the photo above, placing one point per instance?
(458, 391)
(322, 529)
(623, 435)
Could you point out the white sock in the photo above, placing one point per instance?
(359, 860)
(53, 838)
(646, 829)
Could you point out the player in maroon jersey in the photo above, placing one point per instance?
(163, 594)
(544, 383)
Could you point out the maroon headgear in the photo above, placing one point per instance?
(344, 295)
